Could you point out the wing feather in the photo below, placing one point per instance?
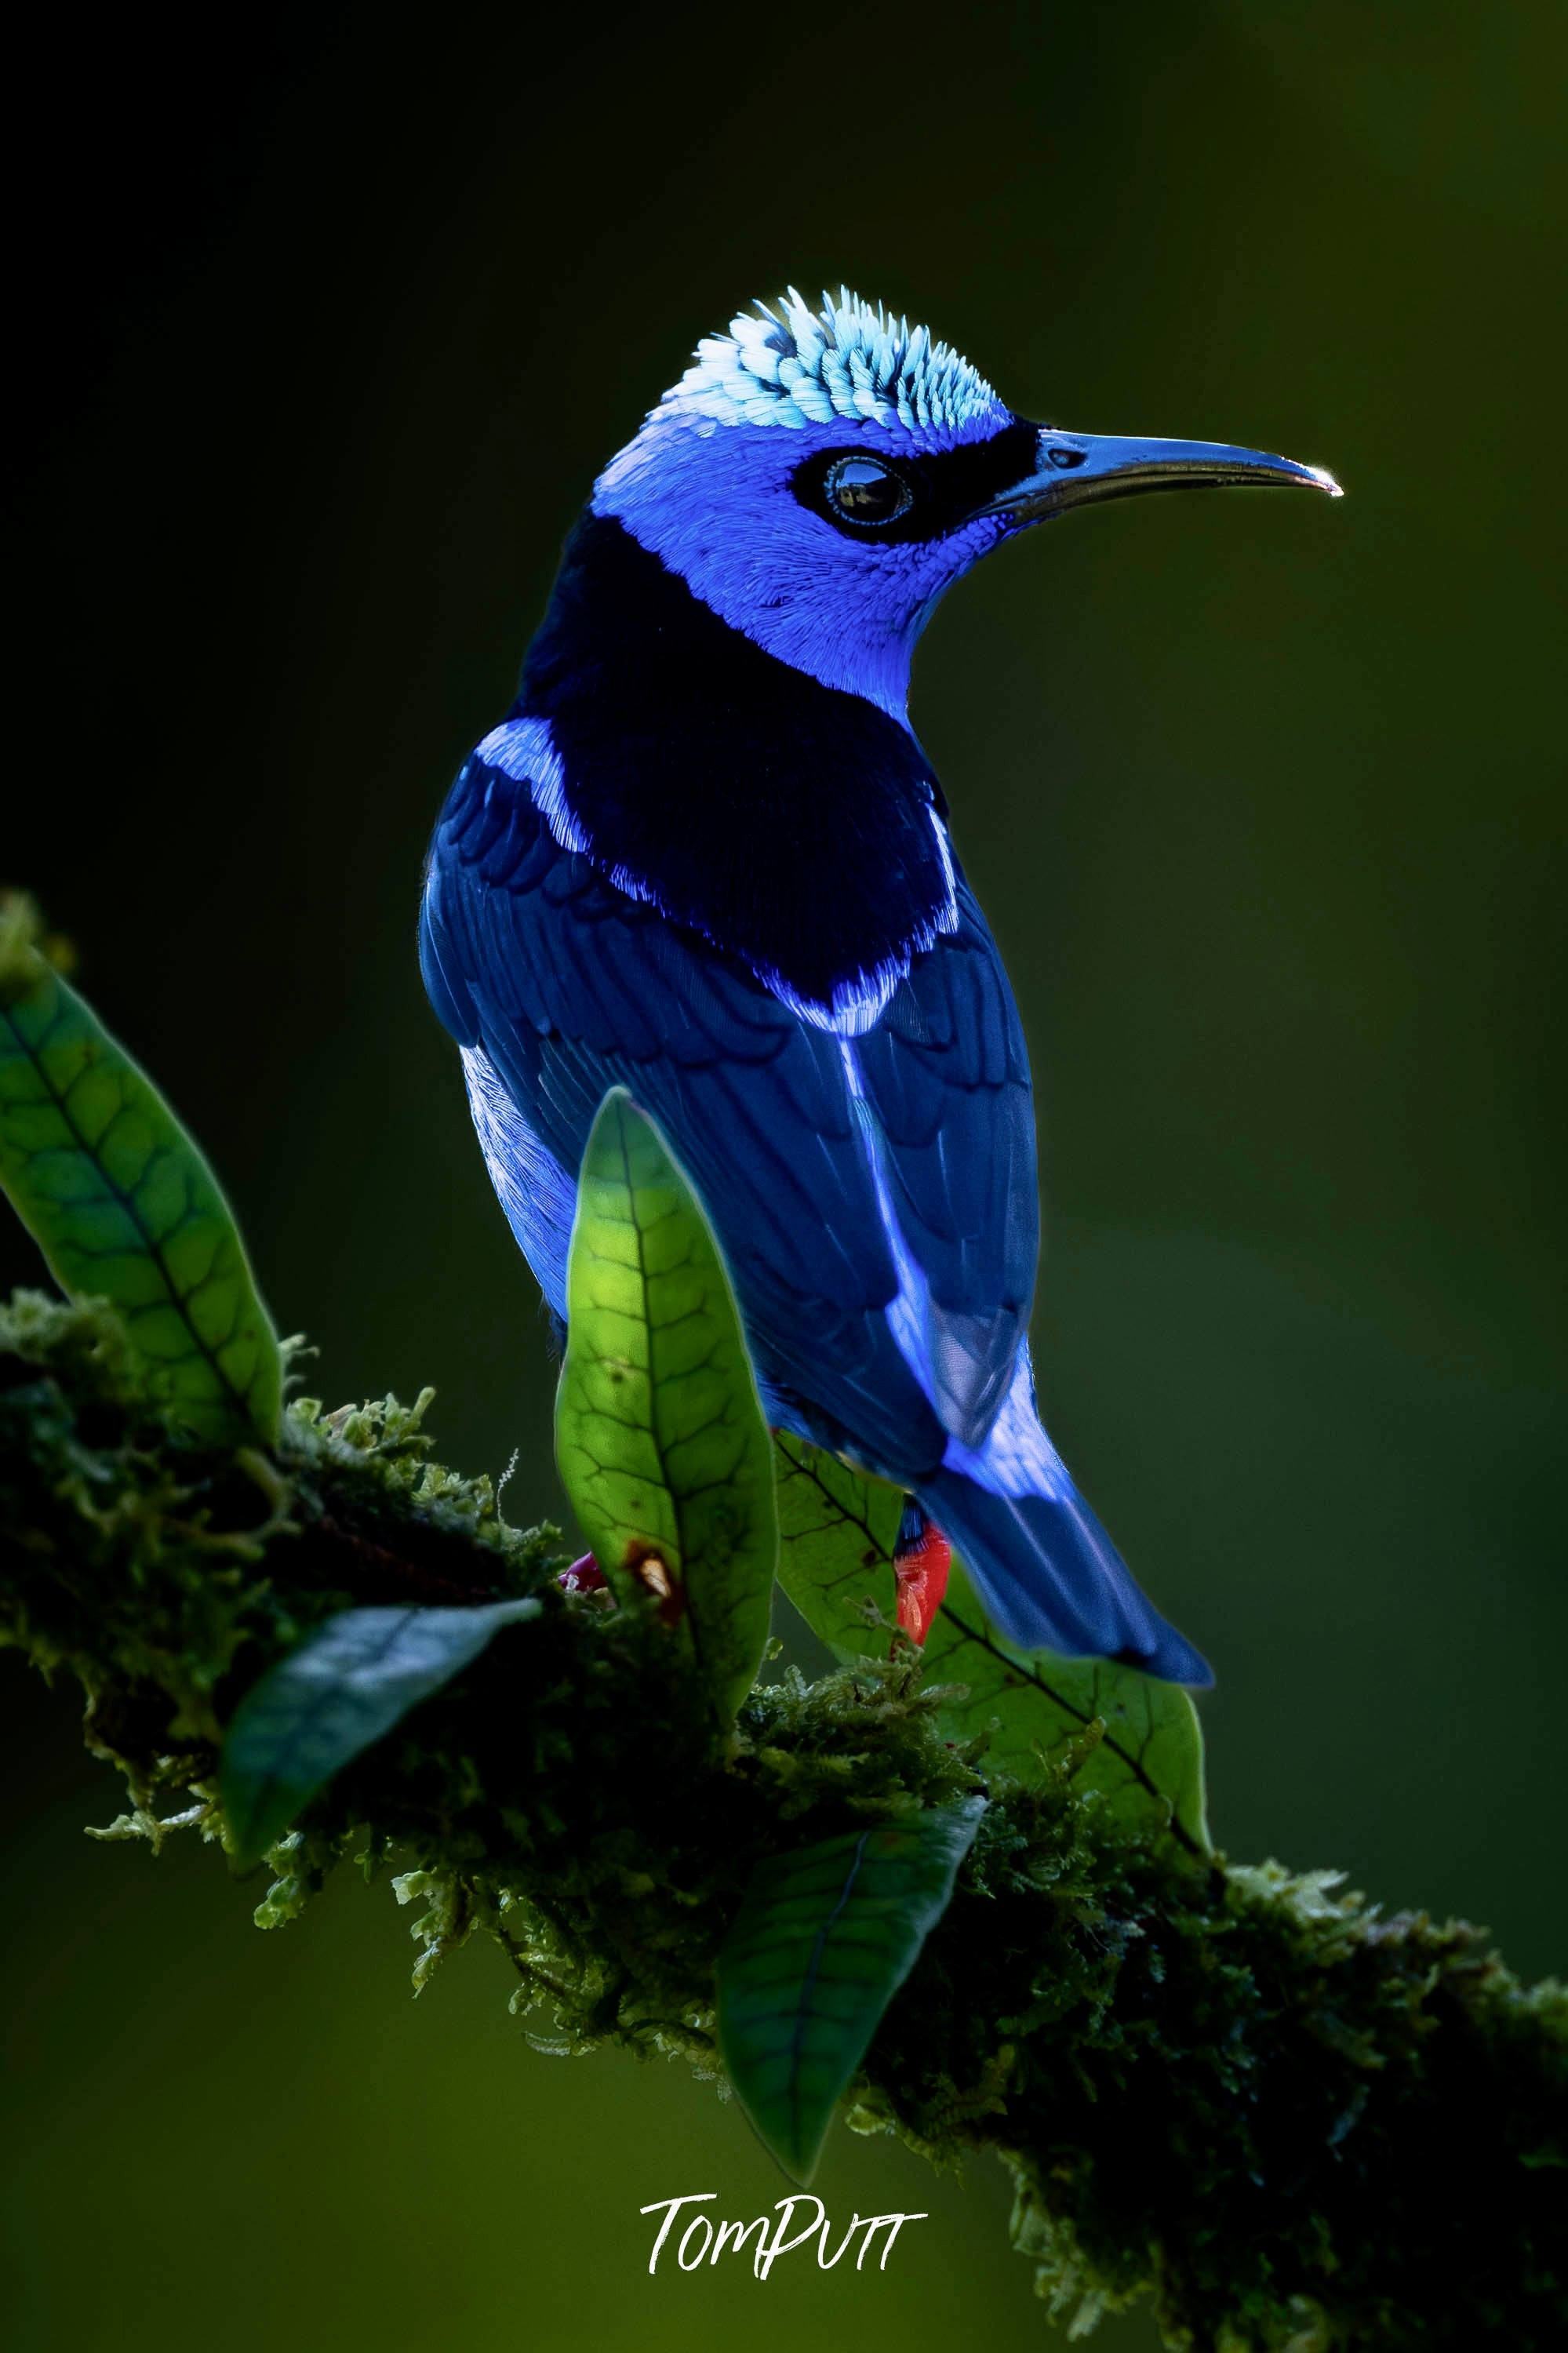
(569, 987)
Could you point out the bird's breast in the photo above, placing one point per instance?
(791, 824)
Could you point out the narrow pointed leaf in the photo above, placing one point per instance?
(1148, 1766)
(659, 1430)
(823, 1940)
(837, 1531)
(341, 1690)
(124, 1207)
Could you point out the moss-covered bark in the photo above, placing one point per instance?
(1296, 2123)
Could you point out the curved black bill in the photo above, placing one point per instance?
(1075, 469)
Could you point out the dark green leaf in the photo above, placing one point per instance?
(659, 1430)
(1146, 1767)
(836, 1534)
(123, 1205)
(344, 1687)
(823, 1940)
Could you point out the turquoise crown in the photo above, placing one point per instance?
(793, 365)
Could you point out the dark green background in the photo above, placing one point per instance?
(328, 327)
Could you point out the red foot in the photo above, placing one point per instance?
(922, 1575)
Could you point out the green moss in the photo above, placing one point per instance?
(1291, 2123)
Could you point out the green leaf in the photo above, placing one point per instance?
(1148, 1765)
(343, 1689)
(823, 1939)
(123, 1205)
(659, 1430)
(837, 1530)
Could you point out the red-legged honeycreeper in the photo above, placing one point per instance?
(705, 858)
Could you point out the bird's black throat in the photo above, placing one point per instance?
(788, 822)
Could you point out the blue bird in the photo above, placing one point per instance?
(705, 858)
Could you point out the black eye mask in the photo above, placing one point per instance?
(867, 496)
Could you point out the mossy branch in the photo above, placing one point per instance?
(1293, 2123)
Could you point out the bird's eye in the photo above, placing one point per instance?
(862, 489)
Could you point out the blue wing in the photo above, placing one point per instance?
(944, 1078)
(565, 987)
(876, 1196)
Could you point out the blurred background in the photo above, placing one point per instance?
(327, 328)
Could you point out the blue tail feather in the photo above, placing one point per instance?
(1052, 1579)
